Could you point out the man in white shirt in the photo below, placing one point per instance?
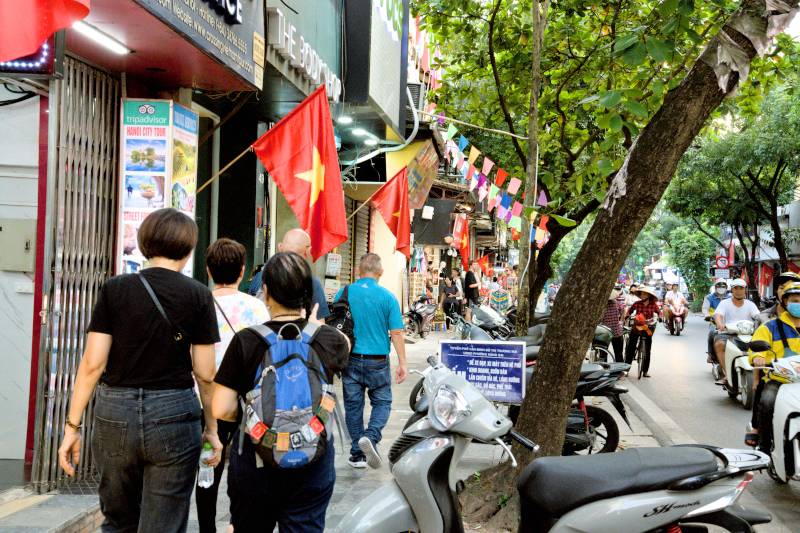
(731, 310)
(674, 302)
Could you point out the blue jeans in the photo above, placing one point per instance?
(294, 498)
(374, 375)
(146, 444)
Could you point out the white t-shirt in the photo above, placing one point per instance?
(673, 297)
(242, 310)
(731, 313)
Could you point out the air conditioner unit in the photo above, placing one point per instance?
(427, 212)
(418, 98)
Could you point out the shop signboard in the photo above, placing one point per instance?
(496, 368)
(158, 168)
(377, 43)
(421, 173)
(232, 31)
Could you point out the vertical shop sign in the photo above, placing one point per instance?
(158, 168)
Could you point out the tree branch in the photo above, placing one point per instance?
(500, 96)
(706, 233)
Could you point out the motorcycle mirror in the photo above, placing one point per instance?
(759, 346)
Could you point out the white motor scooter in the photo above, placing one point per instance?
(738, 370)
(786, 419)
(633, 491)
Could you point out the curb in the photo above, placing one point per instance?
(668, 433)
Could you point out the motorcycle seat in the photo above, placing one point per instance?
(590, 368)
(553, 486)
(529, 340)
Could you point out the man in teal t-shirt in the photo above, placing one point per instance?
(377, 319)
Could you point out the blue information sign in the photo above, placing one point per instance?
(496, 368)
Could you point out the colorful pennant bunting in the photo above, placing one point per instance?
(487, 166)
(501, 177)
(473, 154)
(516, 223)
(542, 201)
(462, 142)
(451, 131)
(517, 209)
(513, 186)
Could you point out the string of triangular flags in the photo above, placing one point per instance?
(501, 192)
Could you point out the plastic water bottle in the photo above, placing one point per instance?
(206, 477)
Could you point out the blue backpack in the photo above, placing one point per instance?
(288, 412)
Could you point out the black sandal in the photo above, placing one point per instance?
(752, 439)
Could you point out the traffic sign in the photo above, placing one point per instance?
(722, 261)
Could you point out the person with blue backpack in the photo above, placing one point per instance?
(276, 380)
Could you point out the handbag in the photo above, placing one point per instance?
(178, 335)
(341, 317)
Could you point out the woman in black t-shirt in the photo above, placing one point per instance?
(143, 348)
(262, 495)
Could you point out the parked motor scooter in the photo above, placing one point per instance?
(738, 370)
(419, 317)
(636, 490)
(785, 418)
(487, 318)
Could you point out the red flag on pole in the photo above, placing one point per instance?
(464, 247)
(483, 262)
(299, 153)
(391, 201)
(24, 26)
(731, 253)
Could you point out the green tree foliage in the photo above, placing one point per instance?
(606, 68)
(689, 251)
(741, 177)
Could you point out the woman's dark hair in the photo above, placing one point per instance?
(225, 259)
(287, 280)
(167, 233)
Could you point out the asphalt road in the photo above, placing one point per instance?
(681, 385)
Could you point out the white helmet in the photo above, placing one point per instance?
(721, 283)
(738, 282)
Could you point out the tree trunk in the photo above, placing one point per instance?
(525, 304)
(749, 259)
(635, 191)
(777, 234)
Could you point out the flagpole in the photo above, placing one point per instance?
(366, 202)
(223, 169)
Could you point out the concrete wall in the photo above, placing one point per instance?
(19, 153)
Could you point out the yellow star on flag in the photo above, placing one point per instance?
(396, 214)
(315, 176)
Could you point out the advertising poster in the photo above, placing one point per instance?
(144, 179)
(496, 368)
(158, 168)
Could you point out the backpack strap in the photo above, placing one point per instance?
(343, 297)
(782, 333)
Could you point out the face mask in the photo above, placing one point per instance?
(720, 291)
(794, 309)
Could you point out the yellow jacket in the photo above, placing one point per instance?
(769, 331)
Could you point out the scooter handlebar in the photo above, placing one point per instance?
(432, 360)
(527, 443)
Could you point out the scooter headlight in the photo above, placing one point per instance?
(448, 408)
(745, 327)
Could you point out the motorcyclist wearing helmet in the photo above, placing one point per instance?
(730, 310)
(781, 281)
(710, 304)
(783, 335)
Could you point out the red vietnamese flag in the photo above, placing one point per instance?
(24, 26)
(464, 246)
(391, 201)
(483, 262)
(299, 153)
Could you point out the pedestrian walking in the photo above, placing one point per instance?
(297, 241)
(375, 313)
(263, 493)
(149, 333)
(235, 310)
(472, 284)
(612, 319)
(449, 300)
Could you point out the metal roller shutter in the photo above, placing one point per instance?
(346, 248)
(360, 237)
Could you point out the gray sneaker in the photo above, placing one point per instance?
(369, 449)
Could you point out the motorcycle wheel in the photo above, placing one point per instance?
(774, 475)
(605, 432)
(411, 326)
(746, 390)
